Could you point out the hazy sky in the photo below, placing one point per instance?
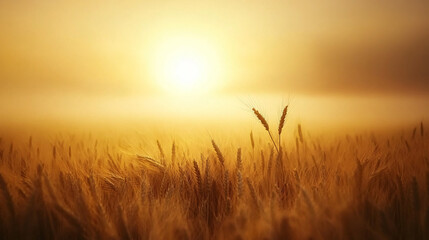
(315, 48)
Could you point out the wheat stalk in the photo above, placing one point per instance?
(262, 119)
(265, 124)
(239, 162)
(161, 152)
(270, 162)
(225, 183)
(239, 184)
(151, 164)
(207, 177)
(281, 123)
(198, 176)
(263, 161)
(173, 153)
(218, 153)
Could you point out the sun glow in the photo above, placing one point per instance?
(186, 70)
(186, 66)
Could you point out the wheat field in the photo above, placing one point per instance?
(362, 186)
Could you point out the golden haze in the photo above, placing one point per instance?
(62, 60)
(142, 120)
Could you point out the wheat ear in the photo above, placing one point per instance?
(282, 123)
(265, 124)
(218, 153)
(198, 176)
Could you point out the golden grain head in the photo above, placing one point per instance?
(282, 120)
(261, 119)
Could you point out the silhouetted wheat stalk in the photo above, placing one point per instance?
(281, 123)
(265, 124)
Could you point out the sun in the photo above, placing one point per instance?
(186, 70)
(186, 66)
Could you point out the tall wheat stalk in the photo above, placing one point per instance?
(281, 124)
(265, 124)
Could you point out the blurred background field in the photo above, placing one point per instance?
(152, 184)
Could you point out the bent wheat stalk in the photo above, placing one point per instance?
(151, 164)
